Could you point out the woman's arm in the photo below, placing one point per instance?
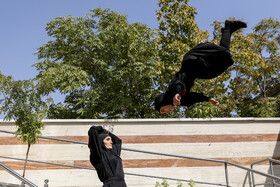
(197, 98)
(94, 144)
(192, 98)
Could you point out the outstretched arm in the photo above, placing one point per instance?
(196, 98)
(192, 98)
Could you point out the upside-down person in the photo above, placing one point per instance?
(105, 150)
(204, 61)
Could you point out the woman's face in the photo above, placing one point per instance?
(166, 109)
(108, 142)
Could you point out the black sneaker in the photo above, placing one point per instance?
(234, 25)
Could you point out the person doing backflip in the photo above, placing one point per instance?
(204, 61)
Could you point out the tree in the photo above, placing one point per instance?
(254, 77)
(21, 102)
(264, 72)
(266, 42)
(101, 63)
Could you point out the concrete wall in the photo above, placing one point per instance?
(238, 140)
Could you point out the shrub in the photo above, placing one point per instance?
(164, 183)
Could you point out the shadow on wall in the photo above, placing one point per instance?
(275, 167)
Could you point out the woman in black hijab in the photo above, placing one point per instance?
(105, 150)
(204, 61)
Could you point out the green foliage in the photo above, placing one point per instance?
(178, 33)
(164, 183)
(266, 42)
(21, 102)
(256, 70)
(102, 63)
(264, 107)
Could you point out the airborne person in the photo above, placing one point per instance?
(204, 61)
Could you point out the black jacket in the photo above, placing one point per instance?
(204, 61)
(107, 163)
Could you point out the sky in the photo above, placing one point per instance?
(23, 22)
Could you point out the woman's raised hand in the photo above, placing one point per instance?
(177, 99)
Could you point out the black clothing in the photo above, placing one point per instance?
(225, 40)
(107, 163)
(114, 182)
(230, 27)
(204, 61)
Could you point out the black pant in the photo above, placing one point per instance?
(114, 182)
(225, 40)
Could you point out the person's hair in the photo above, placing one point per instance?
(102, 136)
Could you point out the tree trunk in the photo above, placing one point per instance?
(26, 158)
